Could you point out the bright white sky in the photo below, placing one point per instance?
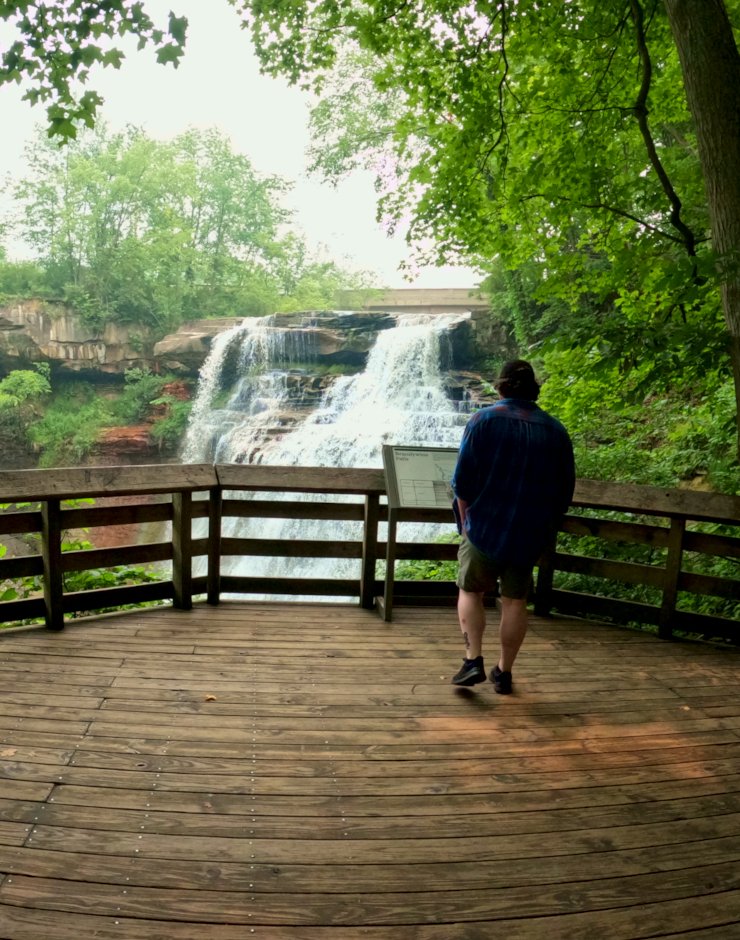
(219, 85)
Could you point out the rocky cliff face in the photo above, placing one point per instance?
(342, 339)
(324, 338)
(33, 331)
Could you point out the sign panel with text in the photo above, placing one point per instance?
(419, 476)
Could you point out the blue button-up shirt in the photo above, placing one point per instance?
(515, 470)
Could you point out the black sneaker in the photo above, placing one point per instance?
(471, 672)
(501, 681)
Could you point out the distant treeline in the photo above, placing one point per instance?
(126, 228)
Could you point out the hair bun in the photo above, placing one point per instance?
(517, 380)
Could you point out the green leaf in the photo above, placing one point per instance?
(169, 53)
(178, 28)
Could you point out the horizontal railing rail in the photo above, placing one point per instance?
(641, 551)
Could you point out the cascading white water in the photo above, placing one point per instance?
(252, 350)
(399, 398)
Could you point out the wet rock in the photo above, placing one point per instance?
(471, 389)
(122, 443)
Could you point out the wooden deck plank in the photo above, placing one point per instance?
(689, 801)
(520, 745)
(308, 773)
(412, 787)
(392, 908)
(245, 845)
(209, 823)
(311, 766)
(343, 878)
(13, 833)
(722, 791)
(721, 911)
(624, 724)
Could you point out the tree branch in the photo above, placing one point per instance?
(610, 58)
(640, 110)
(502, 134)
(614, 210)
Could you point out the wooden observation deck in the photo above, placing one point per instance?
(238, 769)
(308, 772)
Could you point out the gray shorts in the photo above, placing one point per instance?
(479, 573)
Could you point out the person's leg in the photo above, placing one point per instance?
(472, 616)
(475, 577)
(513, 629)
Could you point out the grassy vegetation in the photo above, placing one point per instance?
(77, 414)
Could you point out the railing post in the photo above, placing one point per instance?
(182, 550)
(214, 545)
(671, 578)
(390, 565)
(51, 553)
(369, 550)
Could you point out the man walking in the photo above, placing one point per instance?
(513, 482)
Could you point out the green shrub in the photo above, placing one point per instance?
(70, 426)
(169, 430)
(419, 570)
(141, 389)
(88, 580)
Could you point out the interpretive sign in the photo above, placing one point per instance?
(419, 477)
(415, 478)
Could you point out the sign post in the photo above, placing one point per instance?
(415, 478)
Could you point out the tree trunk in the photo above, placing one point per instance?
(711, 72)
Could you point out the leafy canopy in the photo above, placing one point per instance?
(58, 43)
(544, 138)
(511, 127)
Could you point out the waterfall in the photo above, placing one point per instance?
(249, 360)
(398, 398)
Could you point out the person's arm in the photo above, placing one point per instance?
(465, 477)
(462, 511)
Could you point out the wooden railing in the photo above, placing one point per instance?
(666, 523)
